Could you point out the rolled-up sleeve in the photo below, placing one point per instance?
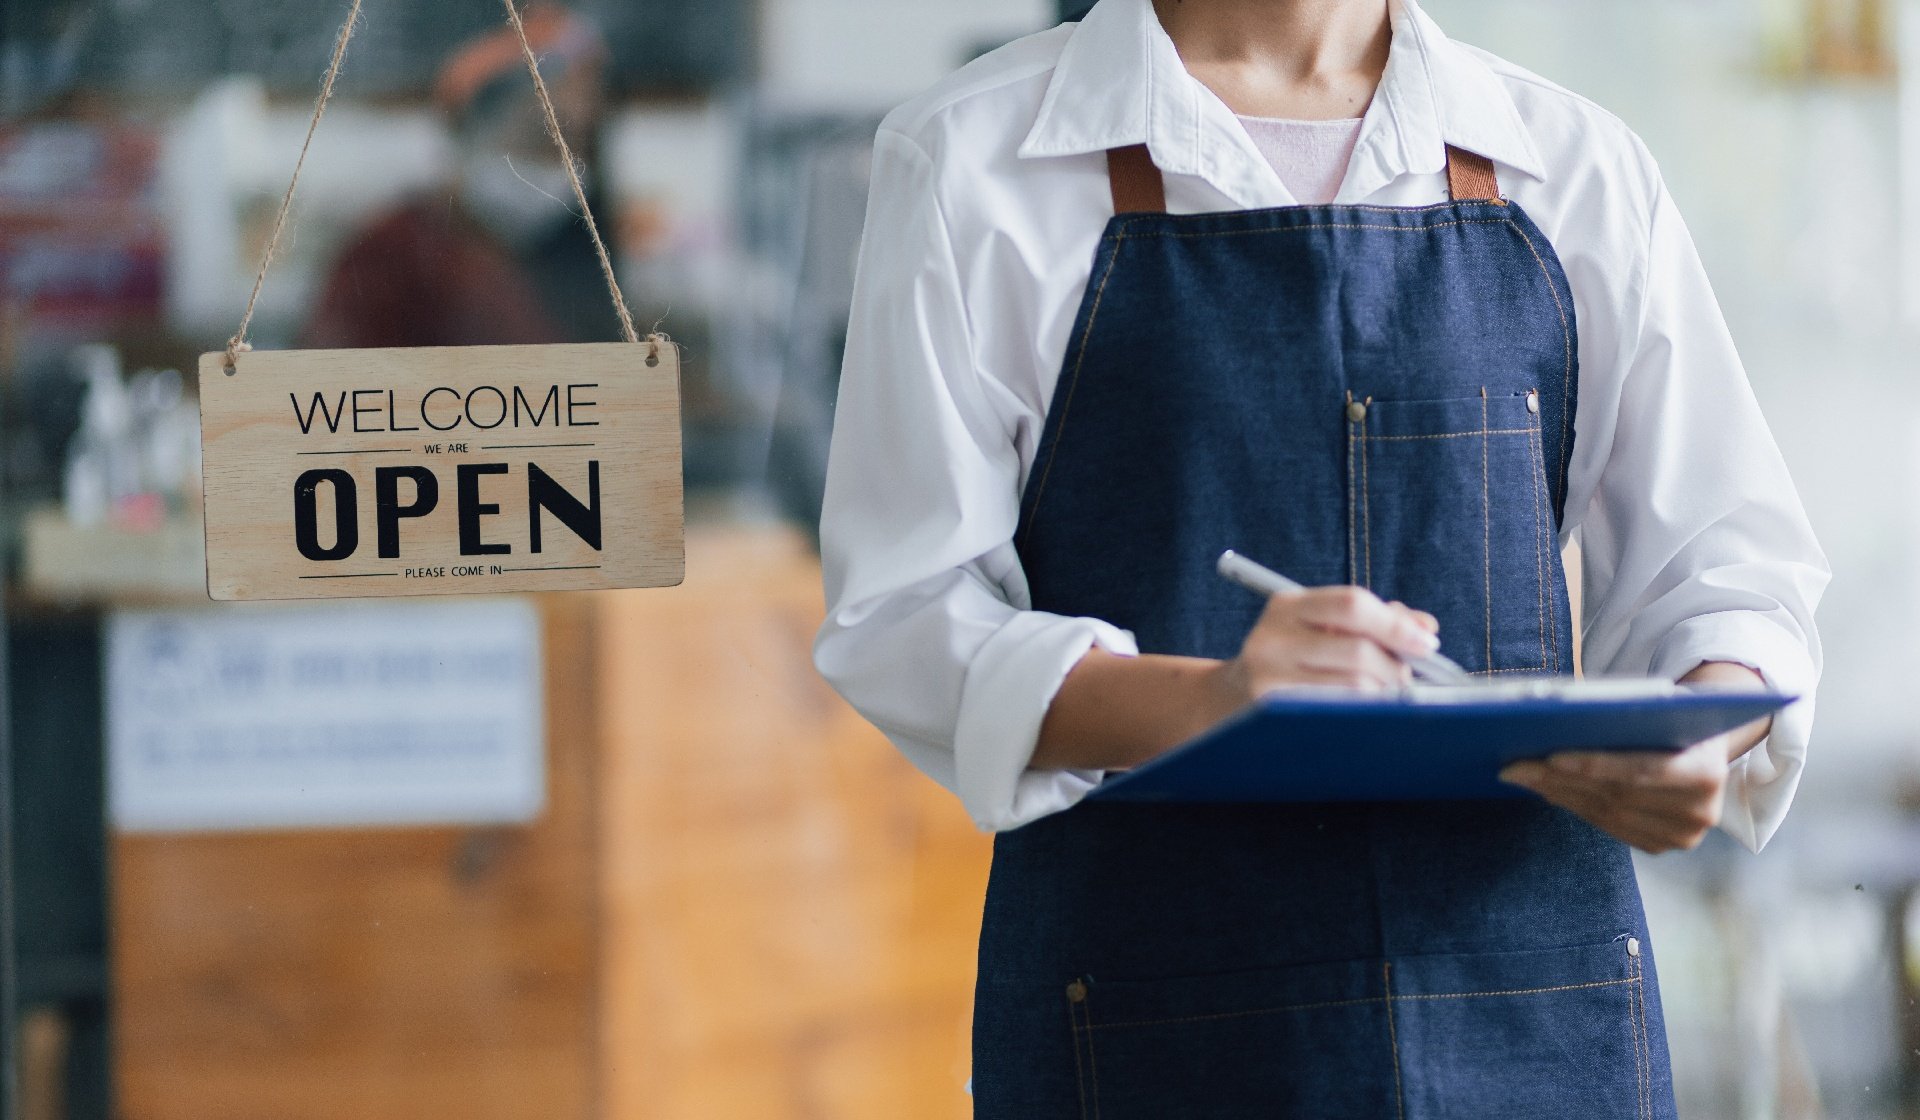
(926, 632)
(1695, 545)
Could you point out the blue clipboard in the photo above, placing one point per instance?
(1437, 746)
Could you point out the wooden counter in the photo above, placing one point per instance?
(791, 910)
(367, 973)
(740, 902)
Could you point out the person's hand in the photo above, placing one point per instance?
(1338, 636)
(1655, 801)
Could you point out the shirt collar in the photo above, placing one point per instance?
(1119, 81)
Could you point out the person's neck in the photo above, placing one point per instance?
(1302, 59)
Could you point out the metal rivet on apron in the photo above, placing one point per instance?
(1633, 946)
(1356, 411)
(1533, 401)
(1077, 991)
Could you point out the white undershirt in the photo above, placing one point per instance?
(1309, 156)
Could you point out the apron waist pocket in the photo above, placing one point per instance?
(1537, 1033)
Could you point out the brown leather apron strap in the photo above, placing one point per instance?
(1470, 177)
(1137, 186)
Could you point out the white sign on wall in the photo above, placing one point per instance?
(278, 717)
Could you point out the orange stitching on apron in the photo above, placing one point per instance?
(1093, 1064)
(1639, 1068)
(1093, 1026)
(1646, 1044)
(1639, 1065)
(1534, 468)
(1522, 669)
(1522, 991)
(1486, 522)
(1366, 501)
(1235, 1014)
(1457, 435)
(1566, 342)
(1393, 1036)
(1550, 543)
(1079, 1071)
(1080, 359)
(1420, 209)
(1353, 551)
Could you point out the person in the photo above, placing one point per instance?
(1305, 279)
(498, 257)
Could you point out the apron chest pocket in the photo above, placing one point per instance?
(1449, 510)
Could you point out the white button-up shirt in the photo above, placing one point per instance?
(990, 193)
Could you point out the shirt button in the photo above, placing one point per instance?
(1633, 946)
(1076, 991)
(1356, 411)
(1533, 402)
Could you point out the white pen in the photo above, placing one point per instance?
(1262, 580)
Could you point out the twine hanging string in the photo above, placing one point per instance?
(573, 176)
(237, 345)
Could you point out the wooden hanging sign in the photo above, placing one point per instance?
(423, 471)
(442, 470)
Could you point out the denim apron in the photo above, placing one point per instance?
(1380, 396)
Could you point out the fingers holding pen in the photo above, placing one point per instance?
(1360, 613)
(1425, 621)
(1360, 662)
(1338, 636)
(1322, 635)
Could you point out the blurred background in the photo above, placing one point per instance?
(624, 855)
